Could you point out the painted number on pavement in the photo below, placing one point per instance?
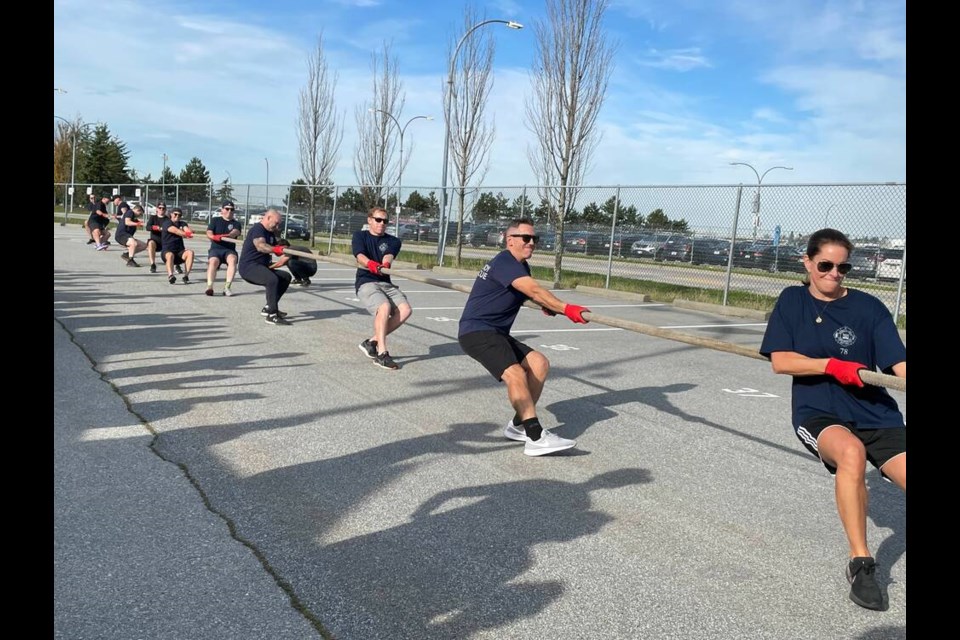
(559, 347)
(440, 319)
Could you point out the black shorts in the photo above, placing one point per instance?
(155, 240)
(177, 256)
(220, 253)
(881, 445)
(494, 350)
(122, 238)
(96, 223)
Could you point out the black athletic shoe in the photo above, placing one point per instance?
(265, 313)
(172, 279)
(305, 282)
(864, 589)
(153, 268)
(91, 241)
(369, 348)
(385, 361)
(276, 318)
(186, 279)
(179, 269)
(296, 282)
(132, 263)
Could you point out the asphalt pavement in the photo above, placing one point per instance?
(218, 477)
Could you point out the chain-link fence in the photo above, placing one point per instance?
(745, 238)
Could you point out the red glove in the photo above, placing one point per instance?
(278, 250)
(845, 371)
(217, 237)
(139, 223)
(374, 266)
(575, 313)
(188, 233)
(155, 227)
(547, 312)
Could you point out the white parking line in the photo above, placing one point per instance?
(563, 330)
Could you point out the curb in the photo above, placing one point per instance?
(612, 293)
(719, 309)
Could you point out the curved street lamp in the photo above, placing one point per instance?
(73, 160)
(756, 200)
(442, 235)
(826, 216)
(400, 177)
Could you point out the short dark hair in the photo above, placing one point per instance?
(516, 222)
(373, 210)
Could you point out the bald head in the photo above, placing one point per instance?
(271, 219)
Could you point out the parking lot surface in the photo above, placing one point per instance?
(218, 477)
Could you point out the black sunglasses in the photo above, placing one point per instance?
(175, 213)
(380, 220)
(526, 237)
(825, 266)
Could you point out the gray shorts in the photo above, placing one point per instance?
(374, 294)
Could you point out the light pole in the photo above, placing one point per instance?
(267, 196)
(73, 159)
(400, 177)
(442, 235)
(756, 200)
(59, 90)
(163, 179)
(826, 216)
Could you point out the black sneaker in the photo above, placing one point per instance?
(864, 589)
(153, 268)
(265, 313)
(172, 279)
(296, 282)
(186, 279)
(305, 282)
(277, 318)
(91, 241)
(132, 263)
(369, 348)
(385, 361)
(179, 269)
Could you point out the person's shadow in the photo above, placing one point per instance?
(887, 508)
(455, 568)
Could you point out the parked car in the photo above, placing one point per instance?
(777, 258)
(645, 246)
(710, 251)
(744, 252)
(547, 242)
(497, 237)
(479, 236)
(890, 265)
(676, 248)
(294, 230)
(586, 242)
(863, 263)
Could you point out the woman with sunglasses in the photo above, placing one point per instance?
(822, 334)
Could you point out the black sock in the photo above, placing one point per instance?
(516, 420)
(532, 428)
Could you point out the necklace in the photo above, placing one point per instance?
(824, 307)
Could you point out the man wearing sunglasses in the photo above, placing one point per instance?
(823, 334)
(256, 265)
(155, 227)
(220, 252)
(172, 250)
(375, 249)
(501, 288)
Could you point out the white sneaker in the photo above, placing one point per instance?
(548, 443)
(227, 292)
(514, 432)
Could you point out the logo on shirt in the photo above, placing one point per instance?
(483, 272)
(382, 247)
(845, 336)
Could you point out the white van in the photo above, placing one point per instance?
(890, 265)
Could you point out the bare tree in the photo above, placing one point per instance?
(319, 128)
(375, 144)
(569, 77)
(471, 135)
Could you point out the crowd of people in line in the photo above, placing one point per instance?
(820, 332)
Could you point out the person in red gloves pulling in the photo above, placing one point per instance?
(823, 334)
(172, 250)
(501, 288)
(256, 265)
(375, 250)
(222, 251)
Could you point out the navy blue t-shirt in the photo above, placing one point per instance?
(493, 303)
(220, 226)
(249, 254)
(156, 220)
(171, 241)
(857, 327)
(125, 230)
(374, 247)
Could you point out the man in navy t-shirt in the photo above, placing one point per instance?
(375, 249)
(172, 250)
(222, 251)
(98, 221)
(501, 288)
(256, 265)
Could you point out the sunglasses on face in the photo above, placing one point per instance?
(825, 266)
(380, 220)
(175, 214)
(526, 237)
(162, 208)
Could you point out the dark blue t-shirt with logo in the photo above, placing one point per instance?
(171, 241)
(857, 327)
(374, 247)
(249, 254)
(221, 227)
(493, 303)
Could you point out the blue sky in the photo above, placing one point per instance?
(817, 86)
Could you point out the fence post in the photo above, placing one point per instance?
(733, 242)
(613, 232)
(333, 219)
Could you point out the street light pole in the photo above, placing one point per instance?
(442, 235)
(756, 200)
(400, 166)
(163, 180)
(73, 160)
(826, 216)
(267, 196)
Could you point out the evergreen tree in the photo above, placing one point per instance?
(195, 182)
(104, 159)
